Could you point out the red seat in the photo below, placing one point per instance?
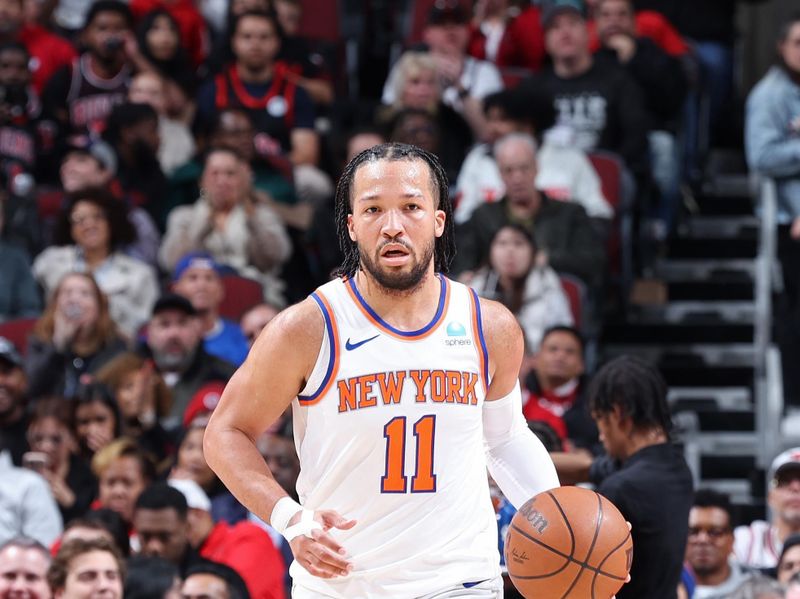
(17, 331)
(241, 294)
(575, 291)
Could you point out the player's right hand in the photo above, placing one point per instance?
(319, 553)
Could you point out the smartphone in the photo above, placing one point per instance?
(35, 460)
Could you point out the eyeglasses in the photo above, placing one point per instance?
(85, 217)
(712, 532)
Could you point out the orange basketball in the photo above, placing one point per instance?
(568, 542)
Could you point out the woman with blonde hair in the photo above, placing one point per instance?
(74, 337)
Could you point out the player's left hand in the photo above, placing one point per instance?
(319, 553)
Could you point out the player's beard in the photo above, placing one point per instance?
(398, 281)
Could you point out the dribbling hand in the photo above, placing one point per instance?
(319, 553)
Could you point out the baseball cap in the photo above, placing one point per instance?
(97, 149)
(552, 8)
(173, 301)
(9, 353)
(202, 260)
(196, 498)
(784, 462)
(447, 11)
(203, 401)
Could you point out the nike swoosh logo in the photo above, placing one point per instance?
(351, 346)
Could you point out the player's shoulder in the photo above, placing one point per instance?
(498, 321)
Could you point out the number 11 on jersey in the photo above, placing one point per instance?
(395, 479)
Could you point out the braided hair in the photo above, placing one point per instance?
(445, 247)
(636, 387)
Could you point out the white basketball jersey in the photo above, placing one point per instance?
(389, 432)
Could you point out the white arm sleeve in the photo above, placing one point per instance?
(517, 460)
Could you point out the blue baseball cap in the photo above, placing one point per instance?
(202, 260)
(553, 8)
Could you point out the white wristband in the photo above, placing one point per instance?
(304, 527)
(284, 509)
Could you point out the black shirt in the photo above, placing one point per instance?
(653, 490)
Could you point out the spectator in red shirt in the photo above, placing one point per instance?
(650, 24)
(556, 389)
(48, 51)
(245, 546)
(193, 29)
(523, 42)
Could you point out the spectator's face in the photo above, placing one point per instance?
(254, 321)
(143, 134)
(131, 393)
(11, 15)
(614, 17)
(13, 66)
(498, 124)
(448, 38)
(793, 592)
(104, 36)
(255, 42)
(202, 287)
(162, 533)
(120, 485)
(289, 15)
(80, 170)
(789, 564)
(204, 586)
(224, 179)
(281, 458)
(517, 164)
(94, 425)
(23, 574)
(173, 337)
(148, 88)
(13, 386)
(420, 90)
(192, 461)
(710, 540)
(362, 141)
(51, 437)
(567, 37)
(418, 130)
(76, 299)
(784, 497)
(162, 38)
(235, 132)
(92, 575)
(511, 255)
(89, 227)
(560, 357)
(790, 48)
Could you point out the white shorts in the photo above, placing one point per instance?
(487, 589)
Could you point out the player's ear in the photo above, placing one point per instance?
(439, 222)
(350, 229)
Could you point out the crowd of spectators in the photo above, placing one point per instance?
(167, 171)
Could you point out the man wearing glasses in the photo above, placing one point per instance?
(759, 544)
(709, 549)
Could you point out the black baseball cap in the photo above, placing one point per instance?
(448, 11)
(173, 301)
(9, 353)
(552, 8)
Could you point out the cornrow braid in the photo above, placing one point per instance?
(444, 248)
(636, 387)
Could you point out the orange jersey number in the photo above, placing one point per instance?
(395, 479)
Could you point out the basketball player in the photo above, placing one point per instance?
(403, 386)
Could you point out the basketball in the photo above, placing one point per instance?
(568, 542)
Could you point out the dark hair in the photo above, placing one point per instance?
(127, 114)
(636, 387)
(96, 393)
(100, 6)
(160, 496)
(121, 231)
(711, 498)
(59, 569)
(546, 434)
(786, 26)
(259, 14)
(108, 520)
(222, 150)
(149, 577)
(237, 589)
(518, 228)
(178, 68)
(15, 46)
(791, 541)
(530, 105)
(445, 247)
(562, 328)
